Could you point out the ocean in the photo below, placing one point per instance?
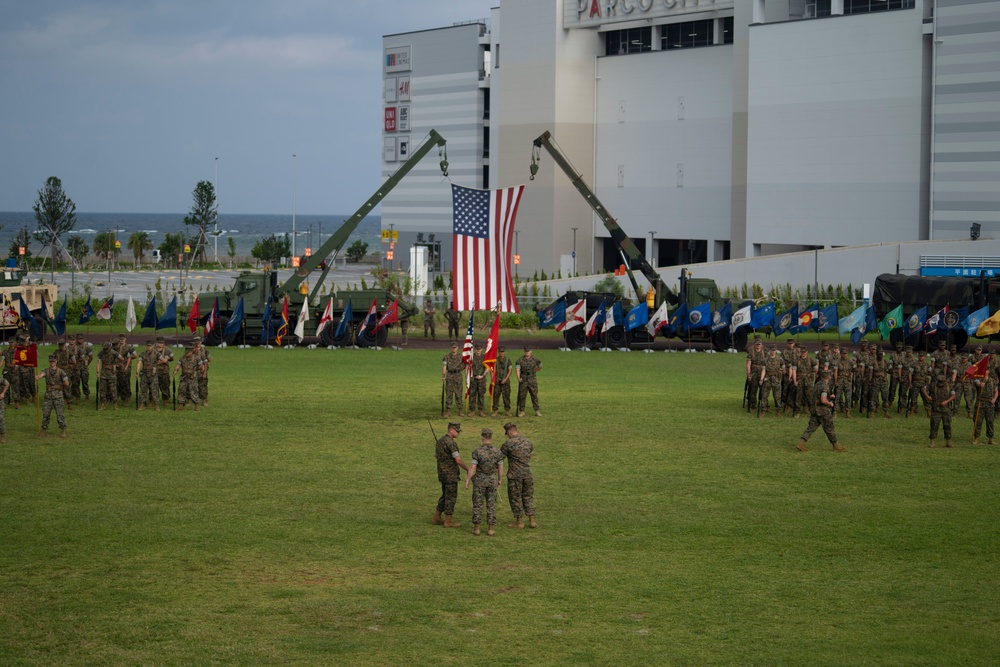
(245, 229)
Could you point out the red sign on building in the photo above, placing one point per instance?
(390, 119)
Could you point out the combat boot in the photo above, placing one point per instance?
(141, 408)
(157, 408)
(506, 413)
(3, 440)
(447, 413)
(975, 441)
(839, 448)
(801, 446)
(62, 432)
(520, 413)
(475, 529)
(887, 415)
(538, 413)
(448, 523)
(197, 407)
(847, 413)
(490, 531)
(947, 443)
(931, 446)
(436, 519)
(480, 413)
(493, 414)
(43, 433)
(991, 442)
(531, 522)
(519, 523)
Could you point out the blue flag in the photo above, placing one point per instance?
(678, 318)
(28, 318)
(235, 322)
(972, 322)
(616, 316)
(169, 319)
(915, 323)
(700, 316)
(45, 314)
(853, 320)
(87, 312)
(265, 320)
(788, 321)
(150, 318)
(345, 319)
(59, 323)
(722, 316)
(953, 318)
(828, 318)
(553, 315)
(637, 317)
(763, 316)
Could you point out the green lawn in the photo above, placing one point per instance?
(289, 523)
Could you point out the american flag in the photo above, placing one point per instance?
(467, 356)
(482, 241)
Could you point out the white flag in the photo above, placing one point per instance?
(609, 320)
(326, 318)
(575, 316)
(300, 326)
(741, 318)
(130, 320)
(657, 319)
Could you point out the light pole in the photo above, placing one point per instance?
(293, 205)
(652, 255)
(216, 210)
(516, 232)
(574, 250)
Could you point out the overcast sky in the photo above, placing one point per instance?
(130, 102)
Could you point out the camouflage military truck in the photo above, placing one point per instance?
(14, 290)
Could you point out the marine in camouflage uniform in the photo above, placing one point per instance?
(429, 311)
(64, 360)
(4, 390)
(790, 358)
(940, 395)
(895, 367)
(84, 358)
(805, 378)
(107, 369)
(774, 370)
(920, 376)
(123, 374)
(12, 395)
(145, 372)
(187, 389)
(986, 401)
(72, 369)
(453, 316)
(527, 367)
(846, 368)
(451, 374)
(478, 383)
(755, 372)
(520, 481)
(164, 358)
(25, 375)
(940, 357)
(206, 358)
(824, 357)
(879, 378)
(971, 392)
(821, 404)
(56, 382)
(501, 387)
(485, 470)
(448, 463)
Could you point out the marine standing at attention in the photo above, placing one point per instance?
(520, 480)
(56, 381)
(448, 463)
(145, 371)
(527, 367)
(451, 375)
(107, 365)
(485, 471)
(453, 316)
(429, 311)
(477, 388)
(502, 386)
(940, 395)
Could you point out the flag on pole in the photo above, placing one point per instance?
(235, 322)
(467, 354)
(59, 323)
(741, 317)
(575, 316)
(637, 317)
(213, 318)
(326, 317)
(762, 317)
(283, 329)
(596, 320)
(700, 316)
(490, 355)
(678, 318)
(787, 321)
(130, 320)
(346, 320)
(26, 355)
(807, 316)
(149, 318)
(45, 314)
(481, 247)
(980, 369)
(722, 317)
(916, 321)
(610, 314)
(852, 321)
(554, 315)
(105, 312)
(370, 318)
(657, 320)
(28, 318)
(193, 317)
(169, 318)
(828, 318)
(390, 315)
(265, 323)
(990, 326)
(892, 320)
(935, 320)
(87, 312)
(970, 323)
(300, 324)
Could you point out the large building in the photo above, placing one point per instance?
(711, 129)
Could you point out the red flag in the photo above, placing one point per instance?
(326, 318)
(391, 315)
(490, 355)
(370, 317)
(980, 369)
(213, 318)
(26, 355)
(283, 329)
(481, 247)
(193, 318)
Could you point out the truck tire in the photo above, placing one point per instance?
(326, 337)
(575, 337)
(896, 336)
(377, 340)
(343, 339)
(740, 339)
(722, 339)
(32, 335)
(616, 337)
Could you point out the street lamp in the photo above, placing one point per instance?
(216, 210)
(574, 250)
(293, 204)
(516, 232)
(652, 255)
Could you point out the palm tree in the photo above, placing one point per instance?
(138, 243)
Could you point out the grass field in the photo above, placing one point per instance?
(289, 523)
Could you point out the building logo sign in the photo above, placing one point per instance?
(595, 13)
(397, 59)
(390, 119)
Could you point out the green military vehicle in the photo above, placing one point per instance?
(260, 289)
(13, 291)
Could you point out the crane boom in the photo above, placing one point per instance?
(625, 244)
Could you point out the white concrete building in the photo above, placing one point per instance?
(719, 129)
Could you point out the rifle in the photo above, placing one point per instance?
(432, 431)
(442, 401)
(137, 393)
(760, 395)
(97, 399)
(174, 391)
(871, 381)
(746, 393)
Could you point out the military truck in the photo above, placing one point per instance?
(14, 290)
(960, 294)
(260, 289)
(692, 291)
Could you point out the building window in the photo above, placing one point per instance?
(727, 30)
(633, 40)
(688, 35)
(868, 6)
